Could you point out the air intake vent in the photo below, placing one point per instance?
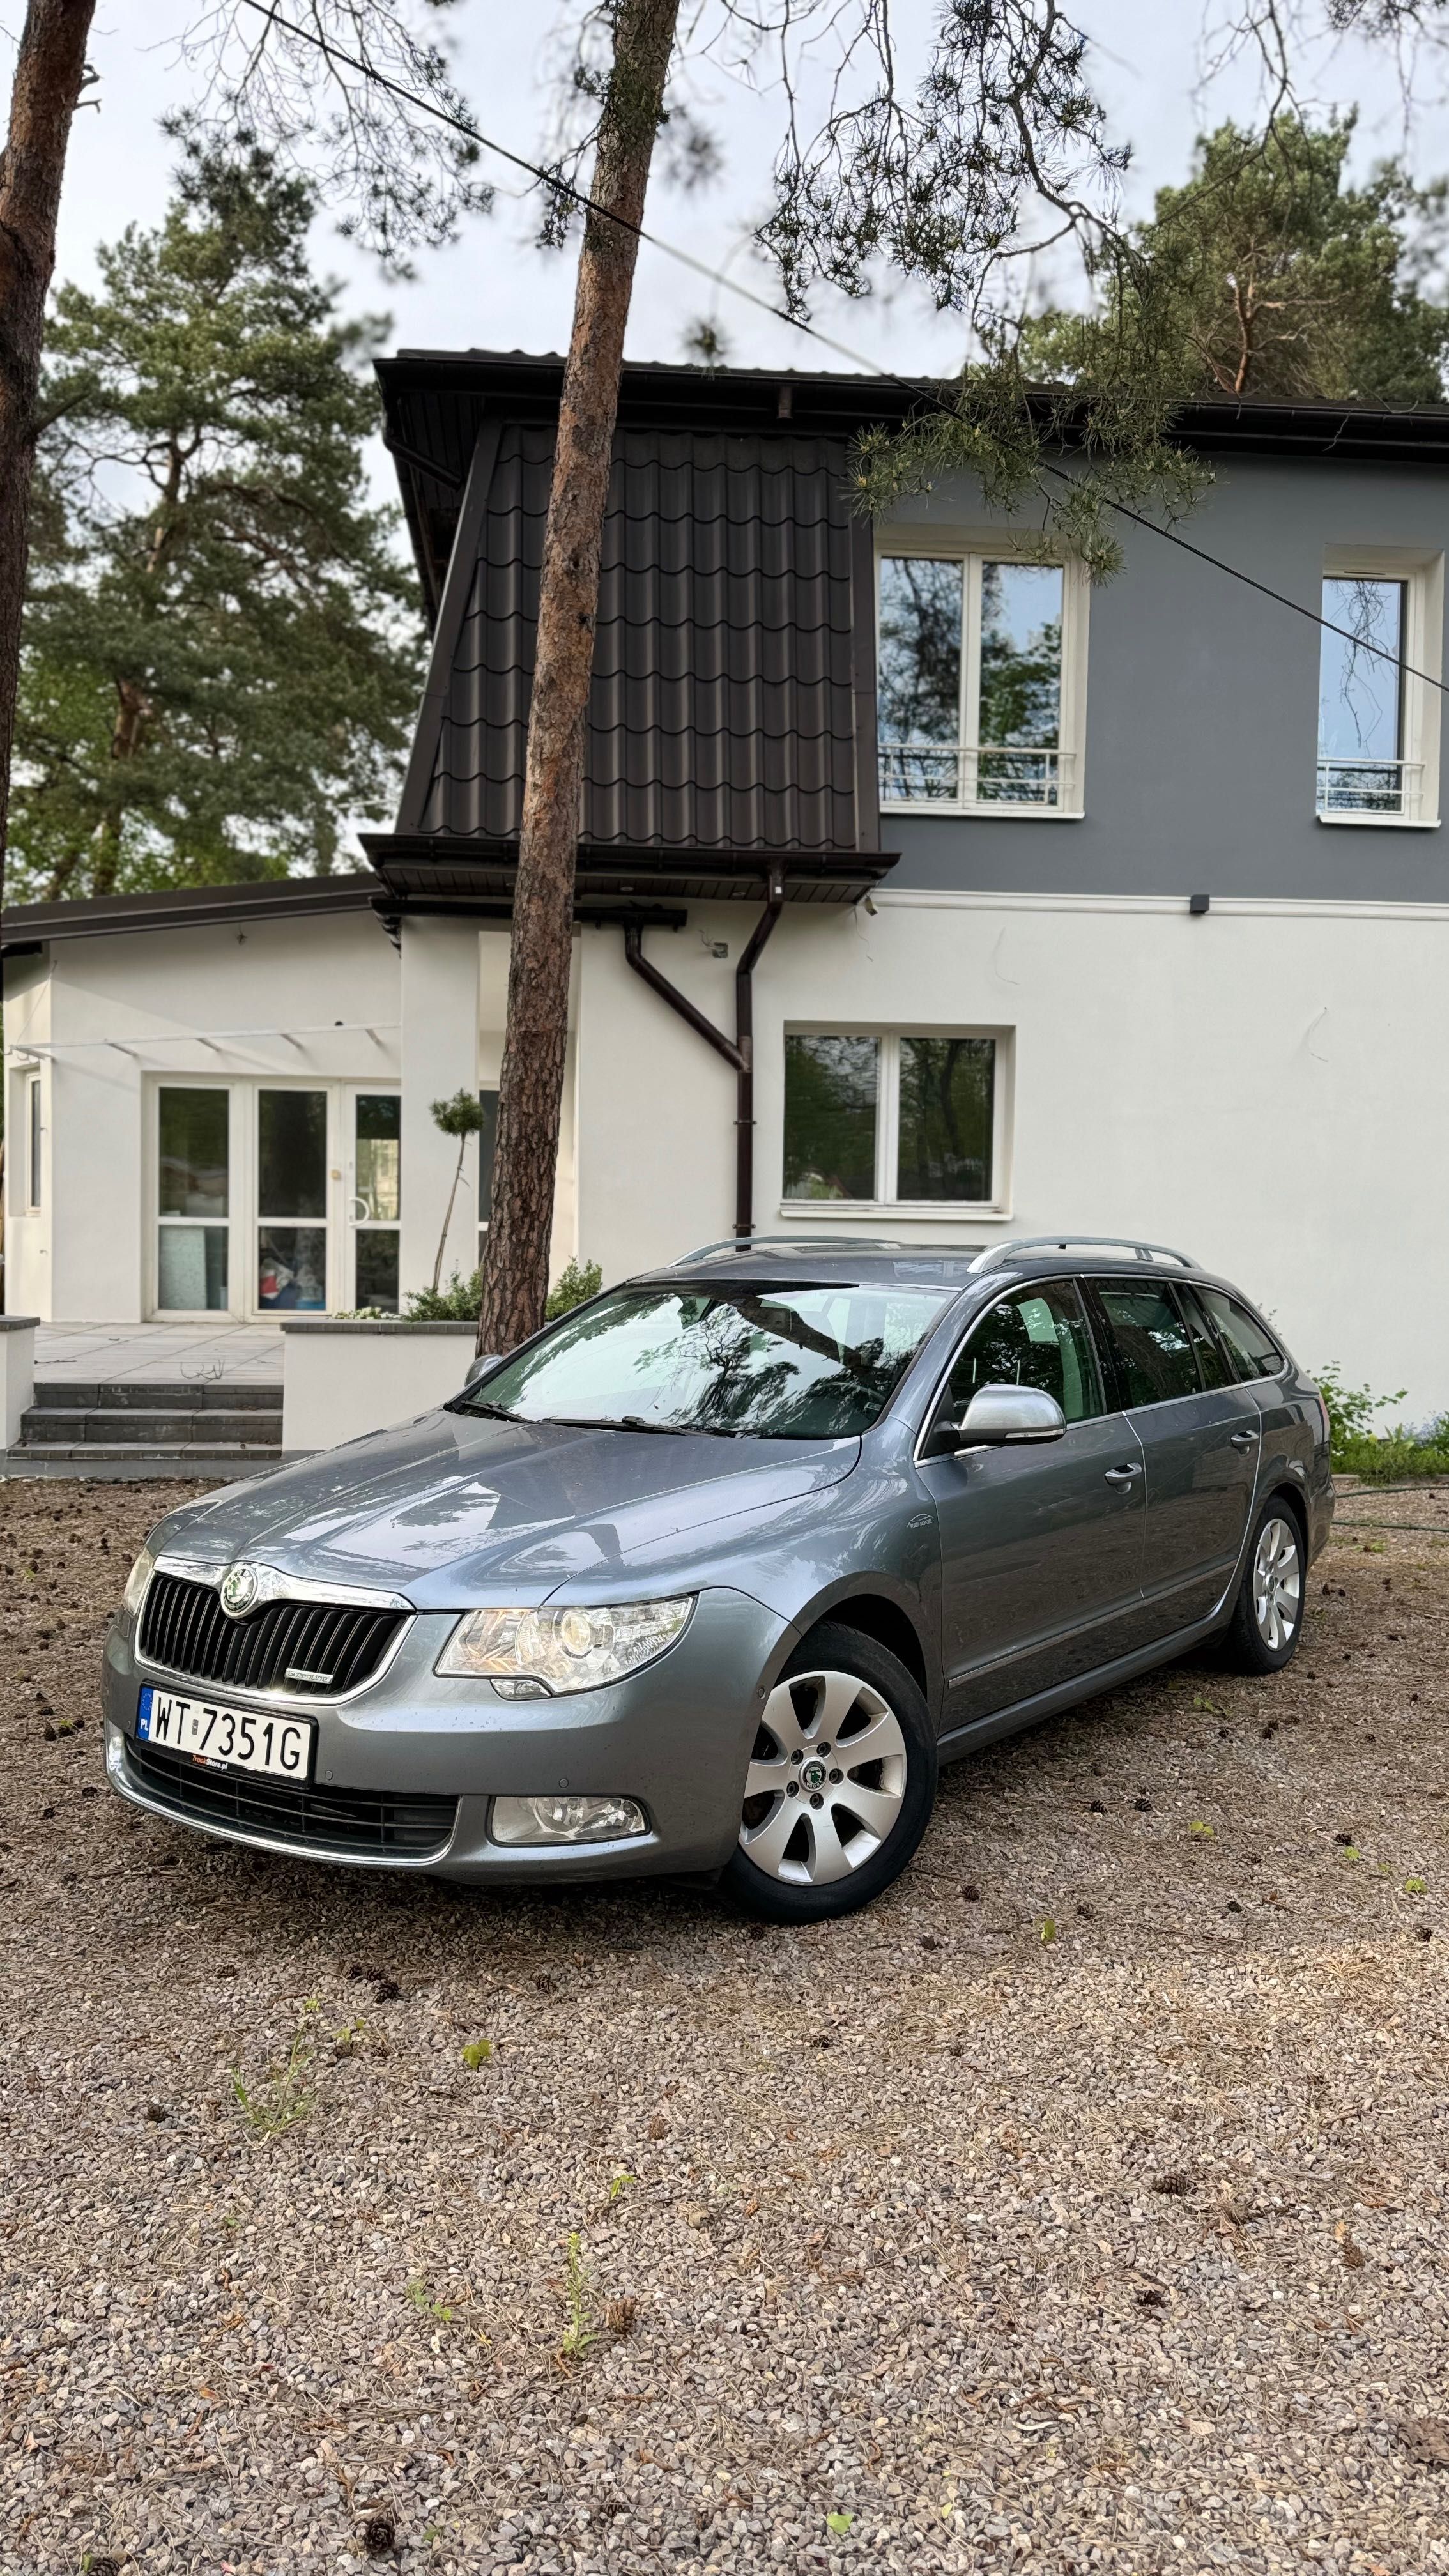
(355, 1824)
(306, 1648)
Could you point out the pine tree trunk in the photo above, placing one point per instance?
(515, 1266)
(49, 71)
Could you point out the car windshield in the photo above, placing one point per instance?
(786, 1363)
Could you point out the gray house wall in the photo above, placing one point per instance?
(732, 706)
(1202, 707)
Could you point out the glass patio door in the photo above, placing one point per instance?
(376, 1203)
(292, 1173)
(193, 1199)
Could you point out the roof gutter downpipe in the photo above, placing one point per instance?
(739, 1051)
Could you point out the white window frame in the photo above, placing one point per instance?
(1422, 575)
(242, 1182)
(34, 1134)
(936, 1212)
(972, 550)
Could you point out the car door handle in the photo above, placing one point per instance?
(1121, 1475)
(1245, 1439)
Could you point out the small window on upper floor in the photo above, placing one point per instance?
(1378, 699)
(979, 683)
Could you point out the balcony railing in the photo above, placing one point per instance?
(1370, 787)
(923, 773)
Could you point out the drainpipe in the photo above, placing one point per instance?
(738, 1051)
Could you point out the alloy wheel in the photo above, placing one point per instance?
(827, 1779)
(1277, 1583)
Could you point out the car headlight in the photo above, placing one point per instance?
(530, 1654)
(136, 1582)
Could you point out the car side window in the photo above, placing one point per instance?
(1212, 1368)
(1150, 1342)
(1253, 1352)
(1035, 1337)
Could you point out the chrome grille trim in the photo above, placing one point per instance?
(203, 1648)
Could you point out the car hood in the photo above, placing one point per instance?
(453, 1509)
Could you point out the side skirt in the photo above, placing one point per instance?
(1107, 1677)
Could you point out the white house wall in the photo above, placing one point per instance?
(1263, 1086)
(123, 1010)
(454, 1013)
(27, 1233)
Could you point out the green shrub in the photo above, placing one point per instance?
(1383, 1456)
(574, 1287)
(458, 1303)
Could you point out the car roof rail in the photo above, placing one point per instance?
(1083, 1243)
(810, 1242)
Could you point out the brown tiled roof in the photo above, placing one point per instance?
(722, 711)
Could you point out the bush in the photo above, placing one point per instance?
(1383, 1457)
(459, 1302)
(575, 1286)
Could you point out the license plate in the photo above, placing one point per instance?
(226, 1739)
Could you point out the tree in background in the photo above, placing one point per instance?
(462, 1116)
(50, 73)
(1265, 275)
(221, 645)
(397, 176)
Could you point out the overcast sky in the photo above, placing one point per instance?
(493, 289)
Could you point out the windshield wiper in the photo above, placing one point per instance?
(477, 1404)
(636, 1422)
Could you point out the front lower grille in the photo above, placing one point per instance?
(356, 1823)
(335, 1645)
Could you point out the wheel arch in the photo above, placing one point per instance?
(1282, 1489)
(883, 1616)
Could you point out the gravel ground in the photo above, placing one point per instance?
(1082, 2206)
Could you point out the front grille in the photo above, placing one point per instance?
(344, 1821)
(184, 1629)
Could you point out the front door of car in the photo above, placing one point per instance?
(1201, 1435)
(1041, 1544)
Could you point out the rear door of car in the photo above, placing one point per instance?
(1201, 1435)
(1041, 1544)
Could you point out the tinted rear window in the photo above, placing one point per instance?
(1149, 1341)
(1252, 1350)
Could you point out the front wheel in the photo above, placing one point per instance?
(840, 1784)
(1268, 1619)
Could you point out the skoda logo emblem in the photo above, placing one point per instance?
(239, 1588)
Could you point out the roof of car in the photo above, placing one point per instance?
(805, 1260)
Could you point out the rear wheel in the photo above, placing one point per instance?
(840, 1783)
(1268, 1620)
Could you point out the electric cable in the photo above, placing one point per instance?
(920, 389)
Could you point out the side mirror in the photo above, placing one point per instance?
(1001, 1416)
(479, 1366)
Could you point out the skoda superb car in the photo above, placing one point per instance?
(711, 1575)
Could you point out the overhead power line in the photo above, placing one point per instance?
(920, 389)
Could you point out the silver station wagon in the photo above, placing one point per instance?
(710, 1576)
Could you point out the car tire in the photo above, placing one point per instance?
(821, 1835)
(1267, 1621)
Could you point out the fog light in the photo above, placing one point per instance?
(565, 1820)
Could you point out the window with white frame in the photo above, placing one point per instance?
(34, 1137)
(1378, 702)
(979, 671)
(276, 1195)
(891, 1117)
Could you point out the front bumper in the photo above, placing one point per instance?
(677, 1737)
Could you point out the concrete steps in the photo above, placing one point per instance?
(187, 1424)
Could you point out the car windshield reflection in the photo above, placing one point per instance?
(787, 1363)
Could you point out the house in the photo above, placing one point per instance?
(924, 890)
